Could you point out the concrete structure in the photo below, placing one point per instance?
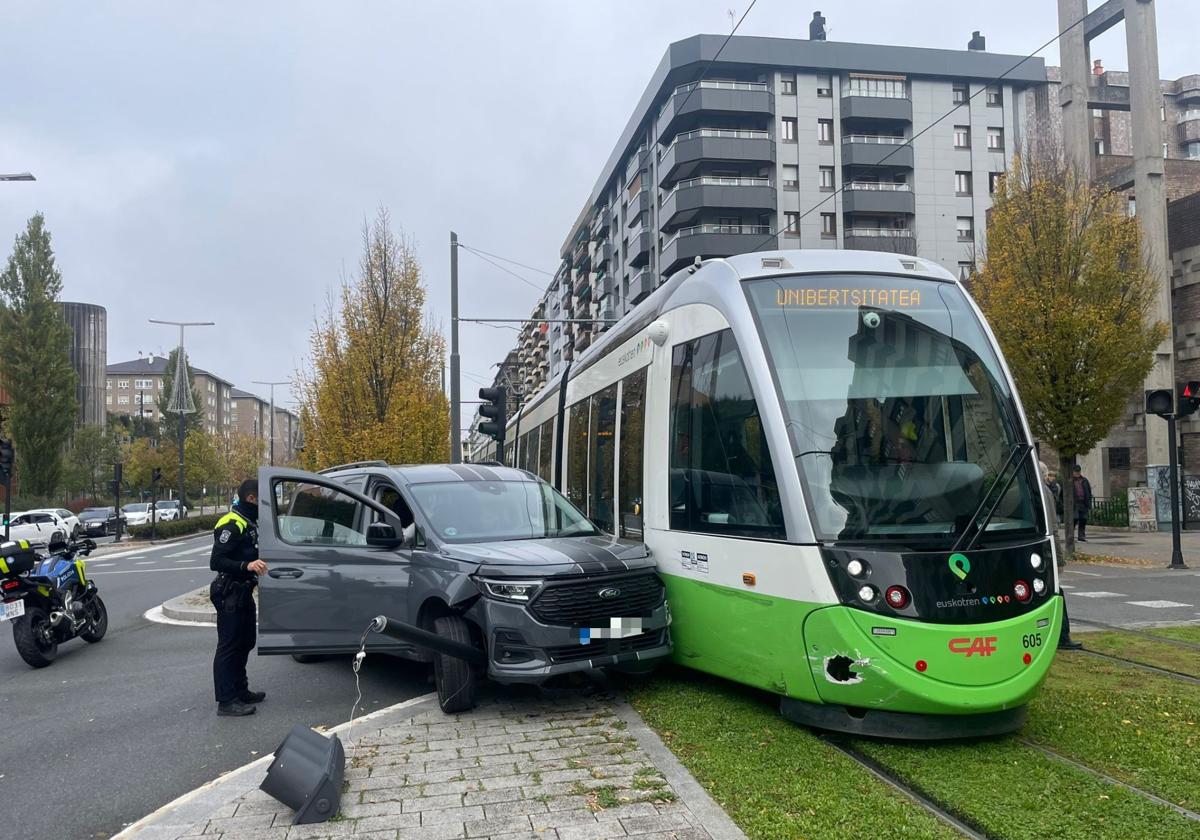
(89, 357)
(136, 387)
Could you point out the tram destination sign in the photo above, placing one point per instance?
(831, 296)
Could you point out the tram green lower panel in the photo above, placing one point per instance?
(747, 637)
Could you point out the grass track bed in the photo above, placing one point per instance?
(1142, 649)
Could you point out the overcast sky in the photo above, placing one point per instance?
(215, 161)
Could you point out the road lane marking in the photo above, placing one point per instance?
(199, 550)
(143, 571)
(1099, 595)
(1064, 586)
(141, 550)
(146, 563)
(1089, 574)
(100, 565)
(1157, 605)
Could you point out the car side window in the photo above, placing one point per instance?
(318, 514)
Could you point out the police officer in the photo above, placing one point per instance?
(235, 560)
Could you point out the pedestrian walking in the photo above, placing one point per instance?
(1083, 501)
(1055, 491)
(1065, 642)
(235, 560)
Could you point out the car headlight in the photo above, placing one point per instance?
(511, 590)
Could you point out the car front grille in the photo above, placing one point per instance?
(605, 647)
(578, 602)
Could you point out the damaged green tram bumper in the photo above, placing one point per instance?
(905, 679)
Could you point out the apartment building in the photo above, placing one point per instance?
(250, 415)
(135, 387)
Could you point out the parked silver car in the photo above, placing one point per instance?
(492, 559)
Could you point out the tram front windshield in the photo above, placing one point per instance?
(899, 415)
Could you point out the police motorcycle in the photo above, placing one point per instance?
(50, 599)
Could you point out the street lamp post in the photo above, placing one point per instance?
(272, 386)
(17, 176)
(181, 406)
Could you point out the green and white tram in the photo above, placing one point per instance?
(825, 452)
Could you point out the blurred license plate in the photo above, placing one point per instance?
(618, 628)
(13, 609)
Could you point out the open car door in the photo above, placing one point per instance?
(335, 560)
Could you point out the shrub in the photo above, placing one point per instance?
(177, 527)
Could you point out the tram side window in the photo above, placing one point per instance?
(545, 449)
(722, 480)
(633, 417)
(577, 452)
(529, 450)
(601, 445)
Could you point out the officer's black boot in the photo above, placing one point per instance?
(235, 708)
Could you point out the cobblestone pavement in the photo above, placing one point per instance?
(573, 768)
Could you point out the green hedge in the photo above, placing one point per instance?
(177, 527)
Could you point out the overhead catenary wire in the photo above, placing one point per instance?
(508, 271)
(713, 60)
(481, 252)
(908, 143)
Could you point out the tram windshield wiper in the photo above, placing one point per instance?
(977, 524)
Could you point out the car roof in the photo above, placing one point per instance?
(432, 473)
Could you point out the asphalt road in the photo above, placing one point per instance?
(112, 731)
(1131, 596)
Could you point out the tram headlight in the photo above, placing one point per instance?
(897, 597)
(1039, 585)
(1035, 560)
(867, 594)
(1021, 591)
(856, 568)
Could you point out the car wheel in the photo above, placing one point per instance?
(454, 678)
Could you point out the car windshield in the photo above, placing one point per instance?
(136, 508)
(161, 505)
(898, 411)
(483, 511)
(94, 513)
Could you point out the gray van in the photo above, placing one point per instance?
(491, 558)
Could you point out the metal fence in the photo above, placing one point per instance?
(1112, 511)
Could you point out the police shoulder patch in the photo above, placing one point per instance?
(225, 535)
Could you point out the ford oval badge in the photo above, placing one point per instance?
(609, 592)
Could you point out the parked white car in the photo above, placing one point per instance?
(36, 527)
(168, 509)
(137, 513)
(74, 526)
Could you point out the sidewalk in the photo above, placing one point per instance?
(1139, 545)
(554, 766)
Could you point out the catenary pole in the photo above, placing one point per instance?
(181, 408)
(455, 434)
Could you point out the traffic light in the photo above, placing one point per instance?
(495, 409)
(156, 475)
(1189, 398)
(6, 458)
(1160, 401)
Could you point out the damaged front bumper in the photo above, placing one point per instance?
(520, 649)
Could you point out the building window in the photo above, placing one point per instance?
(793, 223)
(123, 383)
(828, 225)
(824, 86)
(966, 229)
(994, 182)
(962, 183)
(123, 400)
(961, 94)
(826, 178)
(1131, 206)
(142, 384)
(1118, 457)
(994, 96)
(791, 176)
(788, 131)
(825, 131)
(995, 139)
(108, 384)
(1098, 147)
(965, 267)
(160, 384)
(108, 399)
(887, 87)
(788, 84)
(962, 136)
(718, 443)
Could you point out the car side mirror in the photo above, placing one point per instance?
(383, 535)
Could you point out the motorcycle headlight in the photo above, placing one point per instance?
(510, 590)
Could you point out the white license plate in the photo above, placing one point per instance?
(618, 628)
(13, 609)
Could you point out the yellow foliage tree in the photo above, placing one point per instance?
(243, 455)
(1072, 304)
(372, 389)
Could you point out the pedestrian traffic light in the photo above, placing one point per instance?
(156, 475)
(495, 409)
(1189, 398)
(1160, 401)
(6, 458)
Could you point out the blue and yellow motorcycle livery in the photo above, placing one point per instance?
(49, 600)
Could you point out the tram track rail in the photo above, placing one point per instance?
(1153, 669)
(1183, 643)
(908, 791)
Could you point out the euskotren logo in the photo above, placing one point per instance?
(959, 565)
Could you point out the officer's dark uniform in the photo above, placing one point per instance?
(235, 545)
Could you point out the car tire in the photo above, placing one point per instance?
(30, 633)
(454, 678)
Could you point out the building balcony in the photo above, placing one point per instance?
(876, 150)
(636, 206)
(638, 161)
(1189, 125)
(583, 291)
(641, 285)
(712, 96)
(583, 339)
(605, 286)
(706, 241)
(872, 197)
(639, 248)
(602, 253)
(600, 222)
(896, 109)
(688, 199)
(727, 145)
(894, 240)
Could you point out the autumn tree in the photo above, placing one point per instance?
(90, 460)
(372, 388)
(35, 361)
(140, 456)
(242, 455)
(1072, 304)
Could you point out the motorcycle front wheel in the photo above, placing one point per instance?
(97, 621)
(34, 637)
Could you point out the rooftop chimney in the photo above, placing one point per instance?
(816, 27)
(977, 42)
(1097, 68)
